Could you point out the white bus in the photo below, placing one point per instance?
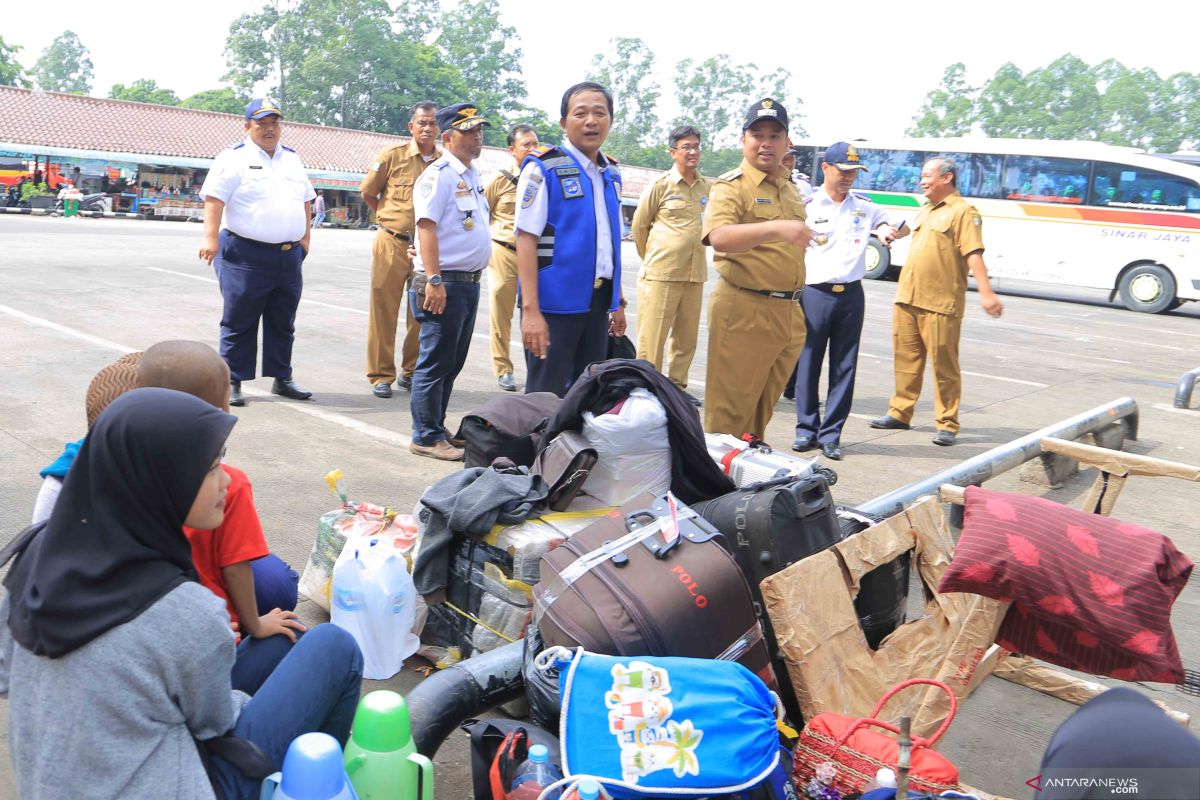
(1080, 214)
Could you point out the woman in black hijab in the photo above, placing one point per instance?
(114, 658)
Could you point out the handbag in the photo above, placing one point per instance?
(856, 752)
(565, 464)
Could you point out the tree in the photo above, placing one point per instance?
(1138, 108)
(489, 58)
(949, 110)
(144, 90)
(224, 100)
(635, 135)
(64, 66)
(11, 71)
(1185, 88)
(548, 130)
(259, 48)
(416, 19)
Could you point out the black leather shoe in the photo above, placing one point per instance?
(235, 394)
(944, 438)
(802, 444)
(832, 451)
(382, 390)
(889, 423)
(286, 387)
(404, 382)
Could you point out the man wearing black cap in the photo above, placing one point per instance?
(453, 247)
(842, 224)
(755, 224)
(257, 217)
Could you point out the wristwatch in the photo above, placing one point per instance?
(622, 302)
(435, 280)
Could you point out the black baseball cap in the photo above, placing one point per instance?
(766, 109)
(844, 155)
(460, 117)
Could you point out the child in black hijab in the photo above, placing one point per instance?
(114, 659)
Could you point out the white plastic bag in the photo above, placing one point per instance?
(633, 449)
(375, 600)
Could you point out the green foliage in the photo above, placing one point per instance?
(144, 90)
(548, 130)
(627, 75)
(1068, 99)
(11, 71)
(416, 19)
(489, 58)
(64, 66)
(714, 94)
(224, 100)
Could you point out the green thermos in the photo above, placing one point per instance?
(381, 759)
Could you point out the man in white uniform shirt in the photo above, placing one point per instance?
(453, 248)
(257, 215)
(842, 223)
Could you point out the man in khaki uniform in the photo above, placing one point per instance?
(666, 230)
(388, 191)
(501, 195)
(931, 299)
(755, 224)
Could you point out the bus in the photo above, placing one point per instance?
(1080, 214)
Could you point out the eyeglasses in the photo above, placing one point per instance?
(687, 148)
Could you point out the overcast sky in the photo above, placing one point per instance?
(862, 68)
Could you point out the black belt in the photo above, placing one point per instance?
(284, 246)
(453, 276)
(836, 288)
(512, 247)
(404, 237)
(778, 295)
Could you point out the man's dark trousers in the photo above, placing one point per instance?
(834, 322)
(258, 281)
(444, 344)
(576, 340)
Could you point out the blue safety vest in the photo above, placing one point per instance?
(567, 247)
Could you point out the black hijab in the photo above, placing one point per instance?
(114, 543)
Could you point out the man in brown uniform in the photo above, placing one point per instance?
(388, 191)
(755, 224)
(931, 299)
(501, 195)
(666, 231)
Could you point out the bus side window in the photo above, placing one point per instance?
(1045, 180)
(1122, 185)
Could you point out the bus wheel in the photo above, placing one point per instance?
(1149, 288)
(878, 258)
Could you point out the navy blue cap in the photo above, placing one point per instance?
(766, 109)
(262, 107)
(460, 117)
(844, 155)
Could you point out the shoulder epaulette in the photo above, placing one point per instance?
(544, 151)
(236, 146)
(610, 159)
(809, 199)
(733, 174)
(862, 197)
(285, 147)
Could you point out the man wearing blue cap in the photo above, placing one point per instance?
(842, 223)
(453, 248)
(257, 217)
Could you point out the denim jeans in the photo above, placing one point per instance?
(314, 687)
(445, 341)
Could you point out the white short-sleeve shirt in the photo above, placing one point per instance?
(845, 229)
(533, 207)
(450, 193)
(264, 195)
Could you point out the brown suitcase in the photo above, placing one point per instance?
(621, 587)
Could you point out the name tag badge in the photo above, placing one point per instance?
(572, 188)
(763, 201)
(256, 166)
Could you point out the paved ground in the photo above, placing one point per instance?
(73, 295)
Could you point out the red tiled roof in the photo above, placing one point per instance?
(54, 119)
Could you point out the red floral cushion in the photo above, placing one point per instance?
(1088, 592)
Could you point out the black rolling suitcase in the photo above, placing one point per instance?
(882, 592)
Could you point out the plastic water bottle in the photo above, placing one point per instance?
(586, 790)
(535, 774)
(884, 779)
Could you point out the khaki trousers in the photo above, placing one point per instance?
(917, 334)
(502, 299)
(668, 314)
(391, 273)
(754, 343)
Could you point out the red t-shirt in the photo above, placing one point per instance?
(239, 538)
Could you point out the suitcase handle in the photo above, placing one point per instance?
(657, 544)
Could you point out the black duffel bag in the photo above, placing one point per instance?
(507, 426)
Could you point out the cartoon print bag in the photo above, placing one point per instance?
(650, 726)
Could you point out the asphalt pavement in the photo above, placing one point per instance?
(74, 294)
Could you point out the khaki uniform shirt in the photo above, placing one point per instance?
(501, 194)
(749, 195)
(667, 227)
(934, 277)
(391, 178)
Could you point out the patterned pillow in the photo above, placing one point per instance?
(1088, 592)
